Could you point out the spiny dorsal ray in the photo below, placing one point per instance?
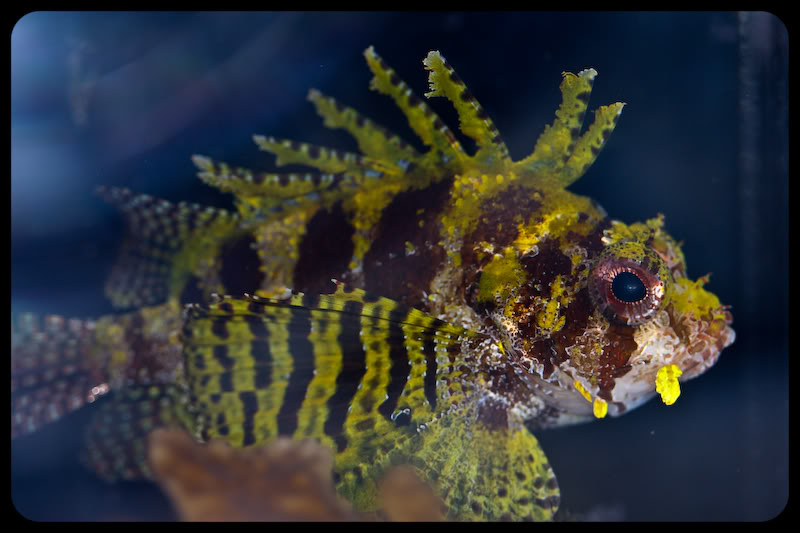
(272, 189)
(425, 123)
(562, 155)
(374, 140)
(325, 159)
(474, 121)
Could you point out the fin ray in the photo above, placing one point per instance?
(374, 140)
(474, 120)
(166, 244)
(425, 123)
(362, 351)
(52, 370)
(117, 435)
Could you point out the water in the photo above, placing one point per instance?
(124, 99)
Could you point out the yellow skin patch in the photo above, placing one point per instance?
(500, 277)
(693, 299)
(550, 319)
(579, 386)
(558, 216)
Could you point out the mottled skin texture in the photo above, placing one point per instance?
(516, 324)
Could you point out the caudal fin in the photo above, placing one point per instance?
(53, 371)
(59, 365)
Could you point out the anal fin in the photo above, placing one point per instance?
(117, 435)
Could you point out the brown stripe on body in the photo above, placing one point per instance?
(302, 351)
(240, 269)
(324, 252)
(497, 225)
(405, 255)
(354, 366)
(431, 368)
(398, 354)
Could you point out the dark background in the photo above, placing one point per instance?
(124, 99)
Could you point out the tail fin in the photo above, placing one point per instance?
(53, 370)
(59, 365)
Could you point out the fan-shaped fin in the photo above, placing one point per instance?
(166, 244)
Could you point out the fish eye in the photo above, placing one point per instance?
(629, 283)
(628, 287)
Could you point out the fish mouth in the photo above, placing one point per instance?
(691, 343)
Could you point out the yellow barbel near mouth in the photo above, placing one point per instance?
(667, 383)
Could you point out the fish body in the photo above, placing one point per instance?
(401, 307)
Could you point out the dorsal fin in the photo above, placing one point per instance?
(166, 244)
(373, 139)
(562, 154)
(422, 119)
(474, 121)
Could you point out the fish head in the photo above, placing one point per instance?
(607, 320)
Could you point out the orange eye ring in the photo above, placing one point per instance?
(627, 291)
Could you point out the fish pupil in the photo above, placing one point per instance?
(627, 287)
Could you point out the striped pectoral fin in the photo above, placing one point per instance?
(475, 122)
(259, 368)
(238, 368)
(117, 435)
(485, 469)
(166, 244)
(357, 372)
